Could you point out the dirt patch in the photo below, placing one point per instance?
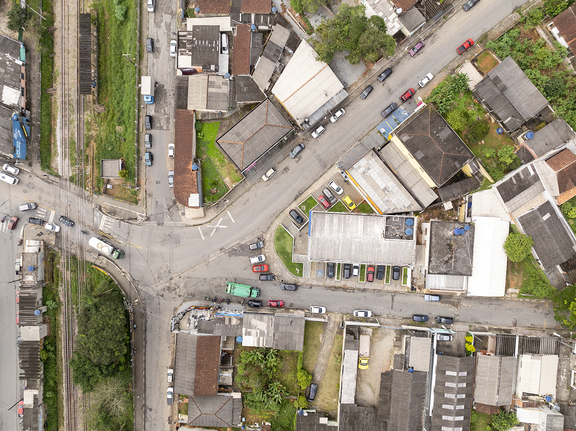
(486, 62)
(313, 337)
(329, 385)
(514, 276)
(439, 213)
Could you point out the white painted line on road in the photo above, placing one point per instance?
(101, 227)
(217, 226)
(230, 215)
(200, 230)
(51, 218)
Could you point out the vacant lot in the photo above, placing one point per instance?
(313, 337)
(329, 388)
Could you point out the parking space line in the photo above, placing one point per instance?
(230, 215)
(200, 230)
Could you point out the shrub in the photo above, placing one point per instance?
(301, 402)
(517, 246)
(479, 129)
(555, 88)
(120, 11)
(457, 119)
(123, 173)
(534, 17)
(555, 7)
(304, 378)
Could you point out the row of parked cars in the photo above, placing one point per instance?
(353, 270)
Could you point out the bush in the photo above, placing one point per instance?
(479, 129)
(18, 16)
(301, 402)
(457, 119)
(555, 88)
(304, 378)
(517, 246)
(123, 173)
(534, 17)
(120, 12)
(555, 7)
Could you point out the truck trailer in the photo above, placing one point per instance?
(105, 248)
(148, 89)
(242, 290)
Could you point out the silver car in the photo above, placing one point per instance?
(425, 80)
(170, 178)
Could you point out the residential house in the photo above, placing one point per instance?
(545, 140)
(494, 382)
(536, 375)
(566, 25)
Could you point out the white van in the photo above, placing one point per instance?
(151, 5)
(8, 179)
(224, 43)
(28, 206)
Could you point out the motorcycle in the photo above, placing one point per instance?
(20, 242)
(84, 232)
(3, 219)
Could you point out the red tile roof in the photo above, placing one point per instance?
(404, 4)
(561, 160)
(185, 179)
(241, 51)
(207, 363)
(256, 6)
(214, 6)
(566, 24)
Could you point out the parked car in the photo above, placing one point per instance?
(391, 108)
(347, 270)
(148, 158)
(257, 259)
(366, 92)
(407, 95)
(266, 277)
(297, 149)
(254, 303)
(148, 122)
(12, 223)
(257, 245)
(419, 318)
(317, 309)
(355, 270)
(465, 46)
(370, 274)
(296, 216)
(260, 268)
(318, 131)
(173, 47)
(28, 206)
(312, 393)
(66, 221)
(432, 298)
(52, 227)
(382, 77)
(36, 220)
(443, 337)
(328, 195)
(268, 174)
(348, 202)
(337, 115)
(276, 303)
(171, 150)
(380, 269)
(170, 375)
(149, 45)
(324, 201)
(335, 187)
(288, 286)
(11, 169)
(170, 395)
(330, 270)
(148, 140)
(444, 320)
(425, 80)
(417, 48)
(362, 313)
(469, 5)
(395, 273)
(170, 178)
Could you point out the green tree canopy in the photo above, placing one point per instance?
(503, 421)
(311, 6)
(517, 246)
(18, 16)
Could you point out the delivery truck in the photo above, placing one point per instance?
(105, 248)
(148, 89)
(242, 290)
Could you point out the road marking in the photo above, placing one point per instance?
(217, 226)
(51, 217)
(200, 230)
(131, 244)
(230, 215)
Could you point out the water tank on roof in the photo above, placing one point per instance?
(529, 135)
(409, 221)
(196, 9)
(226, 75)
(466, 227)
(456, 231)
(31, 268)
(37, 312)
(194, 167)
(274, 9)
(408, 231)
(239, 339)
(499, 130)
(253, 27)
(548, 398)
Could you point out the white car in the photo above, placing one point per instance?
(337, 115)
(171, 150)
(318, 131)
(11, 169)
(268, 174)
(444, 337)
(170, 178)
(170, 395)
(173, 47)
(52, 227)
(362, 313)
(426, 80)
(257, 259)
(170, 375)
(317, 309)
(335, 187)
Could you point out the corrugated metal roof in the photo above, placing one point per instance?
(349, 376)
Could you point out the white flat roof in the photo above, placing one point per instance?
(487, 204)
(224, 22)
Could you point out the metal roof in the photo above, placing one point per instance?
(494, 382)
(549, 138)
(185, 368)
(487, 204)
(520, 188)
(537, 375)
(348, 377)
(419, 354)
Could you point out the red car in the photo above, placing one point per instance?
(275, 303)
(12, 223)
(370, 274)
(407, 95)
(324, 202)
(465, 46)
(260, 268)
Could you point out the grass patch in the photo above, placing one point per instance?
(126, 194)
(534, 281)
(338, 207)
(338, 272)
(285, 419)
(46, 42)
(388, 271)
(283, 244)
(486, 62)
(313, 332)
(329, 387)
(364, 208)
(362, 272)
(307, 205)
(480, 421)
(115, 133)
(404, 276)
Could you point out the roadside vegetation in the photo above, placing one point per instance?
(364, 208)
(46, 43)
(338, 207)
(306, 205)
(283, 244)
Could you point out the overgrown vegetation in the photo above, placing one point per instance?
(364, 38)
(18, 16)
(446, 94)
(518, 246)
(311, 6)
(46, 43)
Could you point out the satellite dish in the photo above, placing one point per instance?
(398, 11)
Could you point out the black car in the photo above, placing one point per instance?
(286, 286)
(380, 272)
(297, 217)
(149, 45)
(38, 221)
(254, 303)
(384, 75)
(347, 270)
(389, 109)
(396, 273)
(266, 277)
(297, 149)
(330, 270)
(257, 245)
(312, 394)
(419, 318)
(444, 320)
(366, 92)
(469, 5)
(148, 122)
(66, 221)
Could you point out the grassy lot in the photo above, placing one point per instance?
(338, 272)
(329, 387)
(534, 282)
(480, 421)
(307, 205)
(486, 62)
(362, 272)
(404, 276)
(283, 244)
(338, 207)
(115, 134)
(126, 194)
(388, 271)
(313, 332)
(364, 208)
(46, 42)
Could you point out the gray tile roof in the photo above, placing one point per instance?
(247, 91)
(288, 332)
(185, 368)
(520, 188)
(550, 137)
(353, 418)
(495, 377)
(202, 44)
(553, 242)
(215, 411)
(458, 189)
(311, 422)
(401, 400)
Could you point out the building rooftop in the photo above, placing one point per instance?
(494, 382)
(434, 145)
(550, 137)
(199, 48)
(353, 417)
(214, 7)
(401, 400)
(388, 13)
(288, 332)
(343, 237)
(451, 254)
(246, 90)
(241, 51)
(419, 352)
(537, 375)
(348, 377)
(487, 204)
(566, 25)
(222, 410)
(520, 188)
(207, 361)
(185, 368)
(256, 6)
(186, 190)
(207, 92)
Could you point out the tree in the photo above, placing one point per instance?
(517, 246)
(123, 173)
(555, 88)
(555, 7)
(457, 119)
(506, 154)
(534, 17)
(479, 129)
(18, 16)
(503, 421)
(311, 6)
(304, 378)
